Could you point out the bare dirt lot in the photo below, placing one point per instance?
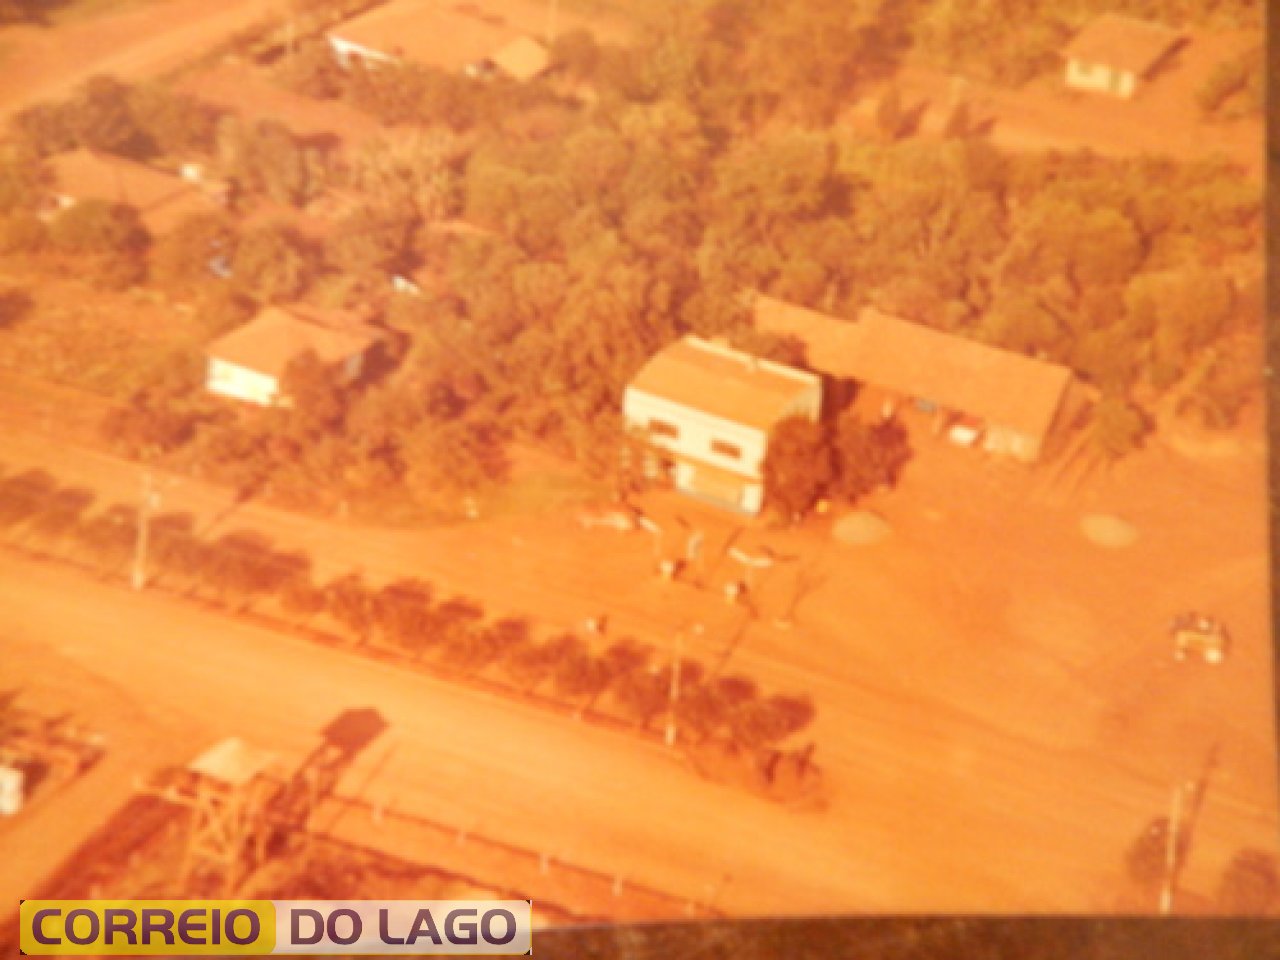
(134, 41)
(998, 710)
(1162, 119)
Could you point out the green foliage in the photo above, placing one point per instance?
(867, 456)
(798, 465)
(181, 259)
(316, 395)
(454, 457)
(1118, 427)
(272, 264)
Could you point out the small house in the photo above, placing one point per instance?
(162, 199)
(1113, 53)
(711, 409)
(452, 38)
(249, 362)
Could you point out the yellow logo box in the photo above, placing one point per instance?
(140, 928)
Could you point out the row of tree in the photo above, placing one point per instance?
(243, 570)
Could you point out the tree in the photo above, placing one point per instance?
(1250, 885)
(641, 694)
(109, 237)
(316, 395)
(149, 425)
(797, 465)
(100, 117)
(756, 724)
(312, 70)
(272, 264)
(301, 598)
(185, 256)
(867, 456)
(350, 602)
(173, 124)
(370, 241)
(403, 611)
(407, 171)
(529, 664)
(1118, 427)
(454, 457)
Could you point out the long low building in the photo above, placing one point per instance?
(1007, 402)
(434, 34)
(711, 408)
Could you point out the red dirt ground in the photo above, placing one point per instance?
(998, 711)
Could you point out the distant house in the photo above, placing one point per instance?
(249, 362)
(439, 35)
(981, 395)
(712, 409)
(1112, 53)
(162, 199)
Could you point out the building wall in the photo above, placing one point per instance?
(348, 53)
(1100, 79)
(697, 432)
(1009, 442)
(241, 383)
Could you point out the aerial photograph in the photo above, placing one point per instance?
(667, 460)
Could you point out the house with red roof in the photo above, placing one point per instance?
(249, 362)
(1114, 52)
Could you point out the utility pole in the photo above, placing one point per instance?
(674, 695)
(1171, 853)
(150, 500)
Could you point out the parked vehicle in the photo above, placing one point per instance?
(1195, 634)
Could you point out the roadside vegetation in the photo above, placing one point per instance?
(560, 232)
(726, 722)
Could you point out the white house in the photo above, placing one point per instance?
(248, 363)
(1112, 53)
(711, 408)
(451, 37)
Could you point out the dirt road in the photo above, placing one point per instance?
(140, 41)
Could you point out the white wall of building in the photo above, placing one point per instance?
(347, 53)
(241, 383)
(697, 432)
(1099, 78)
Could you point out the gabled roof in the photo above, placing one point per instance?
(160, 198)
(428, 32)
(999, 386)
(522, 59)
(1125, 43)
(723, 382)
(276, 336)
(233, 762)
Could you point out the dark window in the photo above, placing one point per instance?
(726, 449)
(660, 428)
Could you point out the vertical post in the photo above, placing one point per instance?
(1171, 853)
(150, 498)
(674, 696)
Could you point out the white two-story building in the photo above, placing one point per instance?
(711, 409)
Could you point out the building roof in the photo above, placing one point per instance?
(428, 32)
(723, 382)
(161, 199)
(999, 386)
(276, 336)
(232, 762)
(522, 59)
(1126, 43)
